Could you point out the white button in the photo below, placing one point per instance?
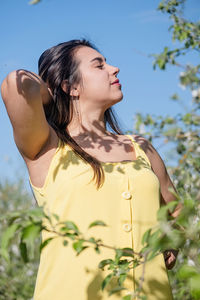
(127, 227)
(126, 195)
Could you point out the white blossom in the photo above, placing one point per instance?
(191, 262)
(15, 249)
(195, 93)
(2, 268)
(142, 129)
(182, 74)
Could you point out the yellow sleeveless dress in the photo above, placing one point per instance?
(127, 202)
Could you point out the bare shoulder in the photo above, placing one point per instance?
(159, 168)
(152, 154)
(144, 143)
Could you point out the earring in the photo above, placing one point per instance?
(76, 102)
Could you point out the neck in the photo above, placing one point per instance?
(90, 125)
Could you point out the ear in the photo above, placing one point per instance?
(65, 86)
(74, 92)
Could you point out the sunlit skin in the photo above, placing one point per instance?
(95, 93)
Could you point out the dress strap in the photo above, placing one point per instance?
(138, 149)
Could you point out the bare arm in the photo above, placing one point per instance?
(24, 94)
(159, 169)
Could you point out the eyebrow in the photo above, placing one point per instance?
(99, 59)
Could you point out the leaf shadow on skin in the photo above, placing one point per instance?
(143, 143)
(71, 158)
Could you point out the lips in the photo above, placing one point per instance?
(116, 81)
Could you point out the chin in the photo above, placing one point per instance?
(118, 99)
(115, 101)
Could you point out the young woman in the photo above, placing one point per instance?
(83, 172)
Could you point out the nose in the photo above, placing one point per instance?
(114, 70)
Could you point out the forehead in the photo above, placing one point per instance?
(86, 54)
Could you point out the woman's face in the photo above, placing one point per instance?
(100, 86)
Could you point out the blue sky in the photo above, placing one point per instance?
(125, 32)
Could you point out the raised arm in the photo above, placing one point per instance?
(24, 94)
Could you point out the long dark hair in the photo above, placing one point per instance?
(56, 64)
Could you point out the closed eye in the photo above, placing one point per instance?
(100, 67)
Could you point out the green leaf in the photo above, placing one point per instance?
(127, 297)
(65, 242)
(127, 252)
(136, 262)
(7, 236)
(104, 263)
(145, 236)
(119, 253)
(92, 240)
(186, 272)
(56, 217)
(116, 290)
(163, 212)
(175, 97)
(23, 251)
(161, 63)
(45, 243)
(71, 226)
(78, 246)
(195, 286)
(154, 238)
(152, 254)
(97, 223)
(123, 263)
(36, 213)
(13, 217)
(71, 236)
(181, 148)
(122, 278)
(31, 232)
(97, 250)
(142, 297)
(29, 235)
(106, 281)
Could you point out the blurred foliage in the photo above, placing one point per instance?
(180, 134)
(34, 1)
(17, 279)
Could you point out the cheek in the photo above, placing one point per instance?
(95, 82)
